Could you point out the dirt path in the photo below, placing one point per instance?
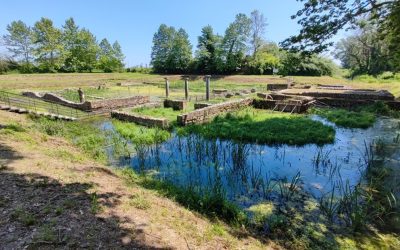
(52, 196)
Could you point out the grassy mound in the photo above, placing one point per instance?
(259, 126)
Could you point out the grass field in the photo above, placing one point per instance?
(19, 82)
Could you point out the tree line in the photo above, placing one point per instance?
(46, 48)
(242, 49)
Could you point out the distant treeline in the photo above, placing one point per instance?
(46, 48)
(242, 49)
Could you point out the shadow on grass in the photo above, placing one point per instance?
(7, 156)
(38, 212)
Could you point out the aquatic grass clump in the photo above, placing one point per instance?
(257, 126)
(345, 118)
(140, 135)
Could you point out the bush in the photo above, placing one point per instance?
(386, 75)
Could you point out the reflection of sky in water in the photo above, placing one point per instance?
(240, 169)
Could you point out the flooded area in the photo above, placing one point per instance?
(250, 173)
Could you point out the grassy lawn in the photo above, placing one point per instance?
(196, 83)
(251, 125)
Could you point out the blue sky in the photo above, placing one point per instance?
(133, 23)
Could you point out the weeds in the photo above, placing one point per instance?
(140, 135)
(286, 189)
(139, 202)
(94, 205)
(83, 134)
(24, 217)
(212, 203)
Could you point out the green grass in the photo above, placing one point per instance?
(347, 119)
(83, 134)
(161, 112)
(359, 117)
(139, 134)
(259, 126)
(212, 203)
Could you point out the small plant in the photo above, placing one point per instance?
(139, 202)
(329, 205)
(94, 205)
(286, 189)
(24, 217)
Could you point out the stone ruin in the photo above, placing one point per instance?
(91, 106)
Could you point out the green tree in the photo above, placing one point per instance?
(364, 52)
(234, 44)
(390, 32)
(110, 57)
(19, 40)
(180, 55)
(258, 25)
(207, 54)
(321, 20)
(48, 46)
(19, 43)
(296, 64)
(119, 57)
(163, 41)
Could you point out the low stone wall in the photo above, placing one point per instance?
(201, 105)
(118, 103)
(175, 104)
(207, 113)
(57, 99)
(394, 105)
(277, 86)
(141, 120)
(88, 106)
(371, 95)
(264, 104)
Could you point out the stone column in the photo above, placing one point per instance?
(186, 88)
(166, 87)
(207, 77)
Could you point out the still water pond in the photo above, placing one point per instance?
(245, 171)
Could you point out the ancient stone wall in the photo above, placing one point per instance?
(141, 120)
(277, 86)
(88, 106)
(175, 104)
(207, 113)
(200, 105)
(264, 104)
(118, 103)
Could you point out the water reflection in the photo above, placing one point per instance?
(248, 173)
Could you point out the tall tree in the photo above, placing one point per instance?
(163, 41)
(49, 48)
(258, 25)
(364, 52)
(180, 56)
(110, 57)
(234, 43)
(19, 41)
(207, 53)
(119, 56)
(321, 20)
